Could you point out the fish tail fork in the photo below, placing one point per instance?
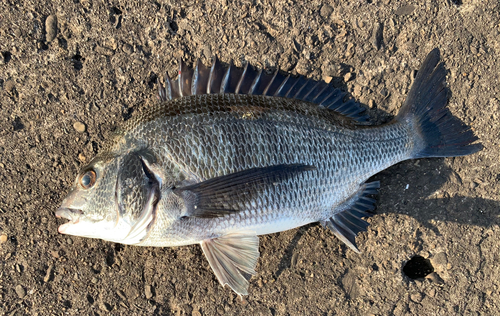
(437, 132)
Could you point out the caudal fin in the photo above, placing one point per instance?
(439, 133)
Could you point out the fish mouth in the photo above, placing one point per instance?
(68, 213)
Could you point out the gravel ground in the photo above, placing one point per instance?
(71, 71)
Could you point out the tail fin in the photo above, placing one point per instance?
(441, 134)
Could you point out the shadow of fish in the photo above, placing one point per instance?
(230, 154)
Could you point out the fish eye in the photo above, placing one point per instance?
(87, 180)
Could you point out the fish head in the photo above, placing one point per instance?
(112, 199)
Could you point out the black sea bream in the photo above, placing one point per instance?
(230, 154)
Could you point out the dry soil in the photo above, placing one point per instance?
(72, 70)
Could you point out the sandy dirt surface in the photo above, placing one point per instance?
(73, 70)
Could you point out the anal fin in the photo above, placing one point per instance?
(233, 258)
(347, 223)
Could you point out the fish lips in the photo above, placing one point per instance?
(68, 213)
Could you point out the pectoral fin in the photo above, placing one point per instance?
(233, 258)
(227, 194)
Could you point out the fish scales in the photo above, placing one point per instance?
(208, 144)
(216, 166)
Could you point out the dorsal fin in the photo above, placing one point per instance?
(248, 80)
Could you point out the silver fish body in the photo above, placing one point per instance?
(217, 143)
(218, 165)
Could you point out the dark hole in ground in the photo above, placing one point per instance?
(119, 247)
(127, 113)
(52, 98)
(67, 304)
(115, 16)
(108, 307)
(457, 2)
(173, 26)
(17, 124)
(110, 257)
(418, 267)
(63, 43)
(90, 299)
(115, 10)
(13, 240)
(152, 80)
(77, 61)
(6, 56)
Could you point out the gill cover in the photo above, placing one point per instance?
(137, 195)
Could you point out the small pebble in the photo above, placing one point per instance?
(81, 157)
(105, 307)
(431, 292)
(127, 48)
(69, 241)
(416, 297)
(405, 10)
(51, 28)
(377, 35)
(440, 260)
(347, 77)
(20, 291)
(328, 79)
(79, 127)
(121, 294)
(104, 51)
(3, 239)
(434, 277)
(326, 11)
(137, 61)
(48, 274)
(9, 86)
(148, 291)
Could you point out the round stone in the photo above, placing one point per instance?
(79, 127)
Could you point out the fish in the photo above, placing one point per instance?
(229, 154)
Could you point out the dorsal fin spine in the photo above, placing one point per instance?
(281, 86)
(194, 81)
(340, 97)
(290, 89)
(168, 87)
(270, 83)
(327, 96)
(161, 91)
(255, 82)
(300, 89)
(179, 78)
(311, 90)
(238, 86)
(225, 79)
(209, 85)
(320, 93)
